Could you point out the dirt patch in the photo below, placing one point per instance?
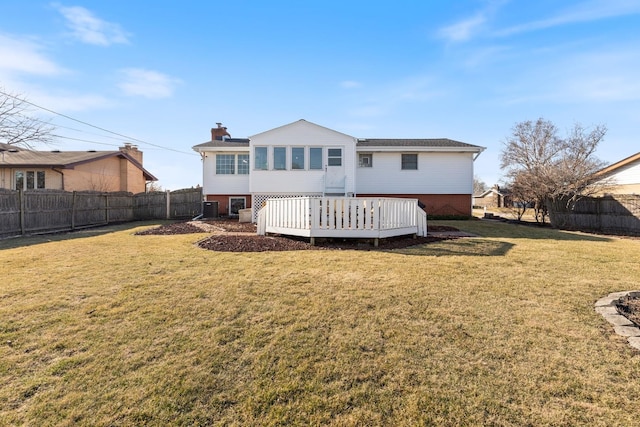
(191, 227)
(629, 307)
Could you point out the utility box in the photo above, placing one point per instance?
(245, 215)
(209, 209)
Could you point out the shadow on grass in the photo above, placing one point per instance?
(22, 241)
(510, 230)
(458, 247)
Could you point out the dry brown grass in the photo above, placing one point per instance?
(117, 329)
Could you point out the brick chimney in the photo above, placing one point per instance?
(133, 151)
(219, 132)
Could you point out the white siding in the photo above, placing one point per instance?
(300, 134)
(438, 173)
(222, 184)
(629, 174)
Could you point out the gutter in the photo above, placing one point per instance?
(61, 175)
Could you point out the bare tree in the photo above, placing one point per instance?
(479, 186)
(541, 166)
(17, 127)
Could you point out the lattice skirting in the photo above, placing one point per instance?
(259, 200)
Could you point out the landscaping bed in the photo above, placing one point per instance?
(233, 236)
(629, 307)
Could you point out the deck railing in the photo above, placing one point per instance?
(342, 217)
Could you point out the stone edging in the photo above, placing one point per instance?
(621, 325)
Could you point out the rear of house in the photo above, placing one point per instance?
(304, 159)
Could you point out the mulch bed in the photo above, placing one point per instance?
(227, 239)
(629, 307)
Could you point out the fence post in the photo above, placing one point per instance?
(168, 195)
(106, 207)
(22, 225)
(73, 210)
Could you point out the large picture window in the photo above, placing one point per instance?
(315, 158)
(280, 158)
(261, 158)
(409, 162)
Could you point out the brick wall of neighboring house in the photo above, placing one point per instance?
(437, 204)
(223, 201)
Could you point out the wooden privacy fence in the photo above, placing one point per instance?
(619, 214)
(41, 211)
(342, 217)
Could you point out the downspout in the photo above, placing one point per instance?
(61, 176)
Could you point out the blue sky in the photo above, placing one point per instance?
(164, 72)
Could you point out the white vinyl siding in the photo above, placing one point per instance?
(438, 173)
(317, 142)
(213, 183)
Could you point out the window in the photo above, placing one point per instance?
(409, 162)
(261, 158)
(297, 158)
(315, 158)
(19, 180)
(365, 160)
(243, 164)
(30, 180)
(225, 164)
(280, 158)
(235, 204)
(334, 157)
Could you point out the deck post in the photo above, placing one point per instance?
(312, 241)
(375, 242)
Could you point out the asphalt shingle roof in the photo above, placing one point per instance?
(429, 142)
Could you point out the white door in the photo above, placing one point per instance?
(335, 181)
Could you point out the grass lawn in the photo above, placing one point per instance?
(107, 328)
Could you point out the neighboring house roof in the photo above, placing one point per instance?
(21, 157)
(622, 163)
(490, 191)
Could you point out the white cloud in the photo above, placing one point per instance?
(463, 30)
(147, 83)
(396, 94)
(350, 84)
(88, 28)
(588, 11)
(23, 56)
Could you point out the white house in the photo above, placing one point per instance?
(305, 159)
(622, 177)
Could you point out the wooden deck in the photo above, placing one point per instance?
(342, 217)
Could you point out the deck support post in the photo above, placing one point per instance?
(375, 242)
(312, 241)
